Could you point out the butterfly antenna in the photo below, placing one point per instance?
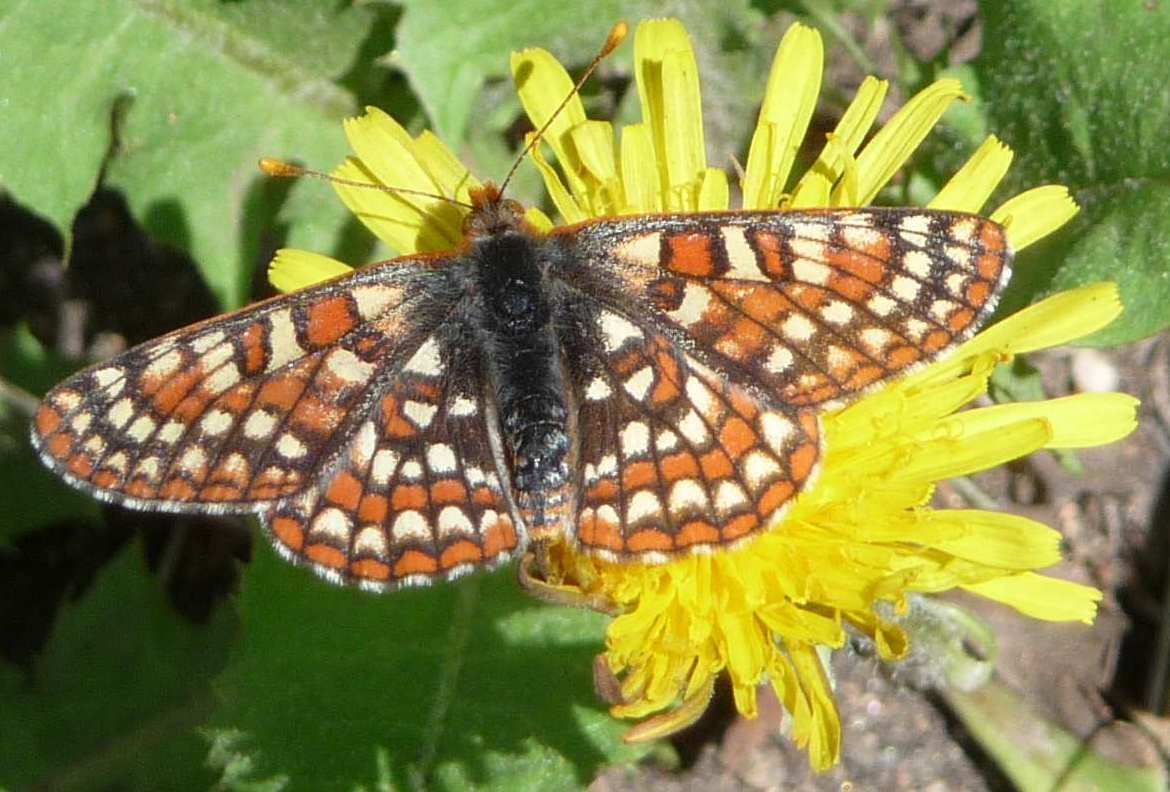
(280, 169)
(616, 35)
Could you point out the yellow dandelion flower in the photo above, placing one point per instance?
(863, 537)
(864, 534)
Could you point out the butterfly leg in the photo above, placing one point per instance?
(533, 574)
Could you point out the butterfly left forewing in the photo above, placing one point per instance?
(808, 308)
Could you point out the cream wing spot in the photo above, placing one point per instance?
(644, 504)
(905, 289)
(333, 524)
(259, 425)
(463, 407)
(420, 413)
(206, 341)
(918, 263)
(666, 441)
(687, 494)
(372, 301)
(638, 384)
(222, 378)
(617, 330)
(881, 305)
(740, 256)
(860, 238)
(142, 428)
(371, 540)
(164, 366)
(121, 412)
(798, 328)
(193, 460)
(440, 458)
(348, 367)
(216, 422)
(453, 522)
(780, 359)
(813, 272)
(81, 422)
(776, 430)
(693, 429)
(117, 462)
(383, 467)
(282, 340)
(426, 360)
(807, 230)
(95, 445)
(364, 445)
(290, 446)
(838, 313)
(695, 302)
(759, 467)
(635, 439)
(412, 470)
(598, 390)
(875, 339)
(410, 525)
(730, 497)
(643, 250)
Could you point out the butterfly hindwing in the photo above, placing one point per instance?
(229, 414)
(418, 493)
(807, 308)
(673, 457)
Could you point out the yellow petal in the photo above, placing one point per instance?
(1080, 421)
(1035, 214)
(896, 141)
(539, 220)
(965, 452)
(454, 180)
(994, 538)
(1056, 320)
(1041, 597)
(668, 86)
(543, 84)
(566, 204)
(714, 194)
(791, 96)
(815, 187)
(640, 170)
(389, 156)
(294, 269)
(595, 146)
(973, 184)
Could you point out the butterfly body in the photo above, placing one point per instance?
(642, 387)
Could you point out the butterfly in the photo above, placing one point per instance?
(642, 387)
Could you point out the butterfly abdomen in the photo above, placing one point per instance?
(525, 369)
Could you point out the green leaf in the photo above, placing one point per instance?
(1078, 89)
(477, 38)
(197, 91)
(113, 701)
(33, 496)
(465, 684)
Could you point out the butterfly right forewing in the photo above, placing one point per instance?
(228, 414)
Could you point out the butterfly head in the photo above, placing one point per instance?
(492, 213)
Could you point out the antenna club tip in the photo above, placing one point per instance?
(617, 34)
(279, 168)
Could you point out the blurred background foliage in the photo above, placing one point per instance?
(157, 652)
